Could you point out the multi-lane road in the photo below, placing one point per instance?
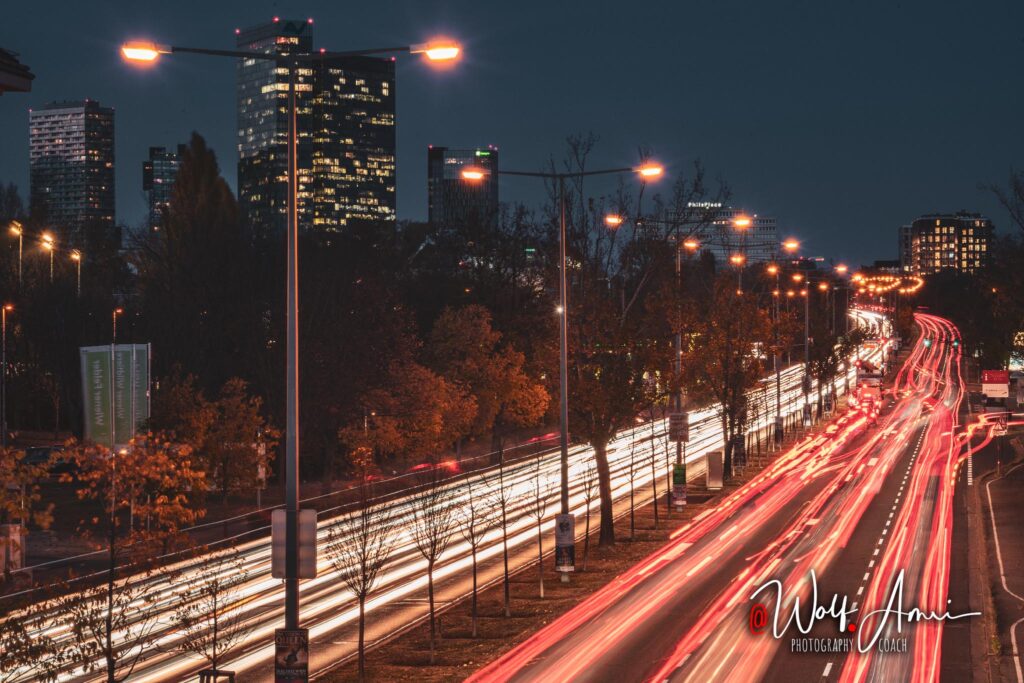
(329, 610)
(842, 520)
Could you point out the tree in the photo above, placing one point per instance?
(234, 459)
(589, 494)
(19, 493)
(503, 497)
(109, 633)
(197, 279)
(464, 348)
(721, 363)
(537, 509)
(26, 647)
(433, 523)
(209, 617)
(150, 483)
(416, 414)
(477, 518)
(358, 546)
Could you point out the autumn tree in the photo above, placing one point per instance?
(209, 617)
(464, 348)
(722, 362)
(26, 646)
(20, 498)
(433, 524)
(414, 415)
(358, 546)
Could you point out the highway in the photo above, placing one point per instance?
(844, 513)
(329, 610)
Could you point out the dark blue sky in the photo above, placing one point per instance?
(842, 119)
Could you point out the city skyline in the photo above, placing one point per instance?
(755, 148)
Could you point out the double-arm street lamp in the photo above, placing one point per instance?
(647, 171)
(148, 52)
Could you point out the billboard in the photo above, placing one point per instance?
(115, 391)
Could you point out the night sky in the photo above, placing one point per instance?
(842, 119)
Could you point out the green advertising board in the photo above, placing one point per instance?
(115, 391)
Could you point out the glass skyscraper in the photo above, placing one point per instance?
(71, 165)
(345, 122)
(158, 174)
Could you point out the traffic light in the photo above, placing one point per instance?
(927, 342)
(956, 342)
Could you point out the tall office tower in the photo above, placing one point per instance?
(158, 174)
(71, 165)
(345, 124)
(453, 201)
(961, 241)
(906, 248)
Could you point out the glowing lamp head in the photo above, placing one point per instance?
(76, 255)
(438, 50)
(650, 171)
(772, 269)
(791, 245)
(798, 277)
(143, 52)
(841, 269)
(822, 286)
(16, 229)
(737, 259)
(741, 222)
(8, 307)
(691, 244)
(473, 174)
(118, 311)
(613, 220)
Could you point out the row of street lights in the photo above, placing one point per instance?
(48, 244)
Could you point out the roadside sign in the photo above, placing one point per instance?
(995, 383)
(291, 655)
(678, 486)
(679, 427)
(565, 543)
(307, 544)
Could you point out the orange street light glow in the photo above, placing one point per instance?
(76, 255)
(736, 259)
(141, 51)
(823, 286)
(613, 220)
(8, 307)
(15, 228)
(741, 222)
(438, 50)
(797, 277)
(841, 269)
(791, 245)
(691, 244)
(650, 171)
(773, 269)
(473, 174)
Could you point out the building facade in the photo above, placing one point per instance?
(960, 241)
(906, 248)
(158, 174)
(453, 201)
(345, 121)
(71, 165)
(719, 233)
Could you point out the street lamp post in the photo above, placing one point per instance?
(647, 171)
(7, 308)
(147, 52)
(18, 231)
(741, 223)
(48, 245)
(76, 256)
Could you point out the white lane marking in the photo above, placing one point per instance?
(860, 590)
(866, 575)
(828, 667)
(871, 564)
(1016, 654)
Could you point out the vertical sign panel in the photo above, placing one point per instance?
(120, 375)
(95, 361)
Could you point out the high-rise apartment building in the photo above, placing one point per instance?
(961, 241)
(345, 123)
(906, 248)
(71, 165)
(158, 174)
(453, 201)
